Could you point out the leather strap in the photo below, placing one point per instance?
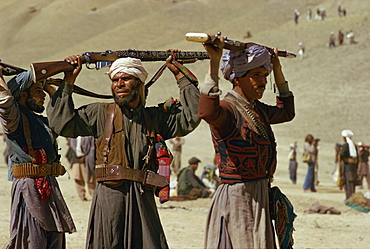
(108, 129)
(27, 170)
(116, 172)
(27, 135)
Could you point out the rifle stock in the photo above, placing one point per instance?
(43, 70)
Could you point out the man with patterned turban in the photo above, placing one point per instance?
(244, 143)
(123, 212)
(39, 215)
(349, 157)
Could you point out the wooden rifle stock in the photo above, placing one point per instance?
(231, 44)
(43, 70)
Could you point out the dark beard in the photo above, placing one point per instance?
(30, 103)
(121, 101)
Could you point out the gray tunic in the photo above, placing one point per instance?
(126, 216)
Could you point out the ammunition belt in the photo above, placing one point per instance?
(27, 170)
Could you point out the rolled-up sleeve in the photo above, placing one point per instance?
(9, 112)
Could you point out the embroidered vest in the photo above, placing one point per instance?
(245, 155)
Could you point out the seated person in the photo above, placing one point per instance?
(190, 184)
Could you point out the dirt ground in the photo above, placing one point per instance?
(184, 222)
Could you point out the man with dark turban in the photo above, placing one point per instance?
(39, 215)
(244, 143)
(123, 212)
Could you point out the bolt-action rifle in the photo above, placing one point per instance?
(231, 44)
(9, 70)
(98, 60)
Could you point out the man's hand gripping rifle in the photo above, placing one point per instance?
(98, 60)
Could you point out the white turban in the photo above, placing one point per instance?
(131, 66)
(352, 149)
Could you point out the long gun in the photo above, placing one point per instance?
(231, 44)
(9, 70)
(43, 70)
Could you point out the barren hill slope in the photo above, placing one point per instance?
(331, 86)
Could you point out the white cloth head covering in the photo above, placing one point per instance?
(131, 66)
(352, 149)
(237, 63)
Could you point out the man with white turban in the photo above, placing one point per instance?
(349, 166)
(244, 143)
(39, 215)
(123, 211)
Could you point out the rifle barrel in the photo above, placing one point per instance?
(231, 44)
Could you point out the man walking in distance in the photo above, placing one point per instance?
(244, 144)
(177, 144)
(123, 211)
(39, 214)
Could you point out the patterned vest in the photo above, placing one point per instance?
(245, 155)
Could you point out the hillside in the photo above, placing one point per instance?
(331, 86)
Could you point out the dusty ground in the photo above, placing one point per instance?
(184, 222)
(331, 88)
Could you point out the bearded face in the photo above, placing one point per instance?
(125, 88)
(31, 104)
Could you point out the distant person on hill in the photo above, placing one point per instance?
(351, 37)
(296, 16)
(340, 10)
(310, 157)
(244, 144)
(293, 164)
(301, 50)
(340, 37)
(309, 14)
(363, 165)
(349, 157)
(190, 184)
(130, 150)
(332, 40)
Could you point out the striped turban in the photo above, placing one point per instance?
(20, 83)
(237, 63)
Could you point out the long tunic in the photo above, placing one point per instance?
(126, 216)
(30, 216)
(239, 214)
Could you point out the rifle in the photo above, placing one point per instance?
(43, 70)
(9, 70)
(231, 44)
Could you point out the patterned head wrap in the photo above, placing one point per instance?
(131, 66)
(20, 83)
(236, 64)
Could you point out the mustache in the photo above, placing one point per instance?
(261, 87)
